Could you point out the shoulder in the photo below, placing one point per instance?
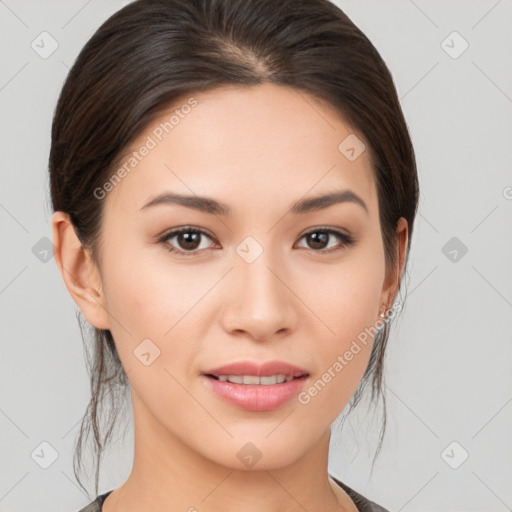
(96, 505)
(363, 504)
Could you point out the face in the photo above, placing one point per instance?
(254, 279)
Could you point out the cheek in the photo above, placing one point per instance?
(346, 297)
(142, 289)
(148, 298)
(347, 303)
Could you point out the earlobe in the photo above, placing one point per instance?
(79, 272)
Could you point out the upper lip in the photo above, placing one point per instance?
(265, 369)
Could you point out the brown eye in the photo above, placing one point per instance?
(187, 241)
(319, 239)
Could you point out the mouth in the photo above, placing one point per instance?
(254, 380)
(256, 396)
(256, 386)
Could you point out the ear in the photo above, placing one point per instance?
(392, 282)
(79, 272)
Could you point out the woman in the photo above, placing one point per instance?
(234, 189)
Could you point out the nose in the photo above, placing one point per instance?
(260, 302)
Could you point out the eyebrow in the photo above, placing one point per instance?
(209, 205)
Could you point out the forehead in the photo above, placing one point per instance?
(263, 144)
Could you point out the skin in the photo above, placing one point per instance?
(259, 150)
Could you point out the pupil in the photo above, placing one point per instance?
(318, 240)
(190, 240)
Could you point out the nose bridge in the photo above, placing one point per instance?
(262, 305)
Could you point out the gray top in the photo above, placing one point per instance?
(362, 504)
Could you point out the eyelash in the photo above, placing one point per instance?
(346, 240)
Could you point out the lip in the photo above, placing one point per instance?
(258, 369)
(256, 397)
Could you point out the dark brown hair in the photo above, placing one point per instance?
(152, 52)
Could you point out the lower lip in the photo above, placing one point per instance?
(256, 397)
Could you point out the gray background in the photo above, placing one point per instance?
(448, 378)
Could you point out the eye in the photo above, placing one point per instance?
(188, 240)
(319, 237)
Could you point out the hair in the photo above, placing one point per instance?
(151, 53)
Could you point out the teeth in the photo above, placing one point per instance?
(252, 379)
